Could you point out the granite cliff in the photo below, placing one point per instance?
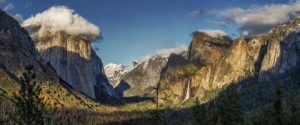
(17, 50)
(216, 62)
(64, 41)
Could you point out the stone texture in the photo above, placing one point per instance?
(143, 79)
(267, 55)
(76, 63)
(17, 50)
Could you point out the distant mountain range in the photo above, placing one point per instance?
(70, 68)
(214, 61)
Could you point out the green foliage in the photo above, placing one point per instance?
(229, 107)
(293, 107)
(199, 113)
(1, 110)
(277, 106)
(210, 95)
(189, 70)
(256, 118)
(225, 110)
(29, 106)
(219, 107)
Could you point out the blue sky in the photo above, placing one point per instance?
(135, 28)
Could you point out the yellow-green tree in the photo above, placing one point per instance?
(29, 106)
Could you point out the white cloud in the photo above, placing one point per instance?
(60, 18)
(8, 7)
(196, 12)
(166, 52)
(258, 19)
(213, 33)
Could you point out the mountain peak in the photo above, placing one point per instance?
(212, 33)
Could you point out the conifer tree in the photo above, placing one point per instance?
(29, 106)
(229, 107)
(277, 106)
(294, 107)
(1, 111)
(199, 113)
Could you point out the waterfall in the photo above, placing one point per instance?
(187, 91)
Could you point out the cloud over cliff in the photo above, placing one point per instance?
(213, 33)
(258, 19)
(60, 18)
(168, 51)
(165, 52)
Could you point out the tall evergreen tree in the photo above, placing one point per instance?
(29, 106)
(199, 113)
(229, 107)
(211, 116)
(1, 110)
(294, 107)
(277, 106)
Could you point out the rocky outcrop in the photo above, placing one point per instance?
(206, 49)
(282, 49)
(143, 79)
(17, 51)
(222, 63)
(63, 38)
(76, 63)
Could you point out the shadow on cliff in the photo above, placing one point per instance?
(254, 92)
(102, 83)
(121, 88)
(169, 116)
(254, 95)
(257, 92)
(104, 92)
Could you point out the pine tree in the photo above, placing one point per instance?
(229, 107)
(293, 107)
(29, 106)
(199, 113)
(1, 111)
(277, 106)
(211, 117)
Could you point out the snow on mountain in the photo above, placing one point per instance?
(115, 71)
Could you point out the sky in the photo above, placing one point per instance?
(132, 29)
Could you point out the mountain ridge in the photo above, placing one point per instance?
(17, 51)
(272, 53)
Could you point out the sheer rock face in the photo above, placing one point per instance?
(282, 51)
(268, 55)
(17, 50)
(206, 49)
(174, 78)
(143, 79)
(76, 63)
(236, 65)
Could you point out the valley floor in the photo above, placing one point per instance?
(138, 113)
